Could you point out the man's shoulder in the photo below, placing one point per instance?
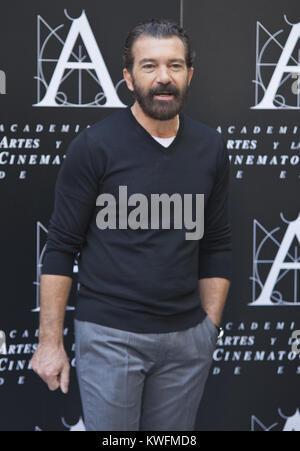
(96, 137)
(107, 125)
(202, 130)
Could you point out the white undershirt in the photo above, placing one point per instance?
(165, 141)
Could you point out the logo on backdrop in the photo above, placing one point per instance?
(72, 62)
(277, 80)
(41, 237)
(290, 423)
(282, 270)
(2, 82)
(3, 349)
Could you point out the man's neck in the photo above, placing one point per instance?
(161, 129)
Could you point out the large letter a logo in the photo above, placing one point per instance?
(80, 27)
(279, 264)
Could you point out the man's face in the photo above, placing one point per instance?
(160, 78)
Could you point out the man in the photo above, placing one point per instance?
(150, 300)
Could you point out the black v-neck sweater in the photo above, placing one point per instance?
(140, 280)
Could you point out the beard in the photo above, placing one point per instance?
(161, 109)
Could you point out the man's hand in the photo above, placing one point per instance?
(52, 365)
(50, 360)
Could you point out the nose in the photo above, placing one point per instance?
(163, 75)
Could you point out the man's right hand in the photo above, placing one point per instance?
(52, 365)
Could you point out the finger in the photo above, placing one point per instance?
(65, 378)
(53, 387)
(52, 383)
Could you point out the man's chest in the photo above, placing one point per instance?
(163, 172)
(163, 192)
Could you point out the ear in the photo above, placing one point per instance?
(190, 74)
(128, 79)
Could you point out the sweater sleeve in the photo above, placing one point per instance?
(215, 248)
(76, 190)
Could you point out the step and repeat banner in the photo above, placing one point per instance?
(246, 85)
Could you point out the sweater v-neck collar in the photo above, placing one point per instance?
(153, 141)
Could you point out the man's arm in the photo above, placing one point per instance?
(55, 291)
(75, 196)
(215, 248)
(213, 293)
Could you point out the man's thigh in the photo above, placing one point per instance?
(111, 365)
(172, 393)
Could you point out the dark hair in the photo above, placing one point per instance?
(157, 28)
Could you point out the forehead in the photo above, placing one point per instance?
(157, 48)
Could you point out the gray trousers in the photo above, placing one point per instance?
(139, 381)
